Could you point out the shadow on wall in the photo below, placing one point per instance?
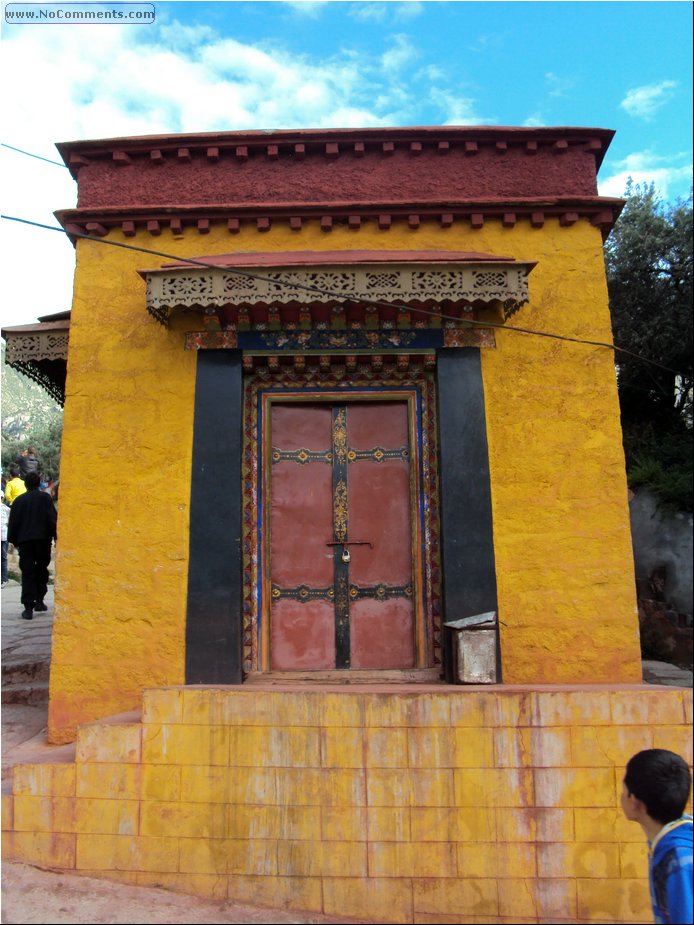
(663, 563)
(663, 544)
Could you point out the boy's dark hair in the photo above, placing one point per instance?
(14, 472)
(32, 480)
(661, 780)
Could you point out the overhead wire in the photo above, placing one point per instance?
(193, 261)
(37, 156)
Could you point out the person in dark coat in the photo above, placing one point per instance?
(27, 462)
(32, 528)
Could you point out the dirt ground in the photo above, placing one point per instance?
(30, 896)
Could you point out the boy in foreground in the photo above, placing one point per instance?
(655, 793)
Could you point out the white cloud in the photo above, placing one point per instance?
(400, 54)
(558, 86)
(644, 102)
(457, 109)
(534, 121)
(408, 10)
(379, 12)
(368, 12)
(648, 167)
(307, 7)
(91, 82)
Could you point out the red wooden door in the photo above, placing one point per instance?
(340, 541)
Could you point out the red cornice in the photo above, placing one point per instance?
(600, 211)
(333, 143)
(333, 258)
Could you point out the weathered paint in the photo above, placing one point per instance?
(561, 529)
(444, 804)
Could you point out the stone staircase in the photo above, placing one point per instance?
(25, 681)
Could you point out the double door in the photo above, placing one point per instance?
(340, 536)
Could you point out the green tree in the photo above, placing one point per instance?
(649, 277)
(45, 438)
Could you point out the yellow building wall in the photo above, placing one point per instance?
(441, 805)
(561, 528)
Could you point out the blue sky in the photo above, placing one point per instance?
(238, 65)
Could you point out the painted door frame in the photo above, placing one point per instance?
(409, 396)
(222, 606)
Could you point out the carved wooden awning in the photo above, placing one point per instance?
(40, 352)
(373, 283)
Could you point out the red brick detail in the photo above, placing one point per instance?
(568, 218)
(263, 224)
(446, 220)
(501, 147)
(154, 227)
(328, 185)
(537, 219)
(295, 222)
(300, 152)
(128, 229)
(234, 225)
(602, 218)
(156, 156)
(176, 226)
(204, 225)
(121, 158)
(384, 221)
(477, 219)
(413, 220)
(509, 219)
(183, 155)
(416, 148)
(332, 149)
(97, 228)
(326, 223)
(354, 222)
(561, 146)
(273, 151)
(213, 155)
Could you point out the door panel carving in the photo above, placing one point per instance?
(341, 537)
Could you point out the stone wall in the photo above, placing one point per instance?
(441, 805)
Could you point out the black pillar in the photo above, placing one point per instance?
(467, 541)
(214, 622)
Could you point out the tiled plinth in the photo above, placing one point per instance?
(440, 804)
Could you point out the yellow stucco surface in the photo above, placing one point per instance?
(321, 800)
(561, 528)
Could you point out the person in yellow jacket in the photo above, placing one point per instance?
(15, 487)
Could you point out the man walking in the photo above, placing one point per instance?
(31, 529)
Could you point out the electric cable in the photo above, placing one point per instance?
(37, 156)
(315, 289)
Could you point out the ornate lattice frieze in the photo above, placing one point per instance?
(186, 287)
(36, 345)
